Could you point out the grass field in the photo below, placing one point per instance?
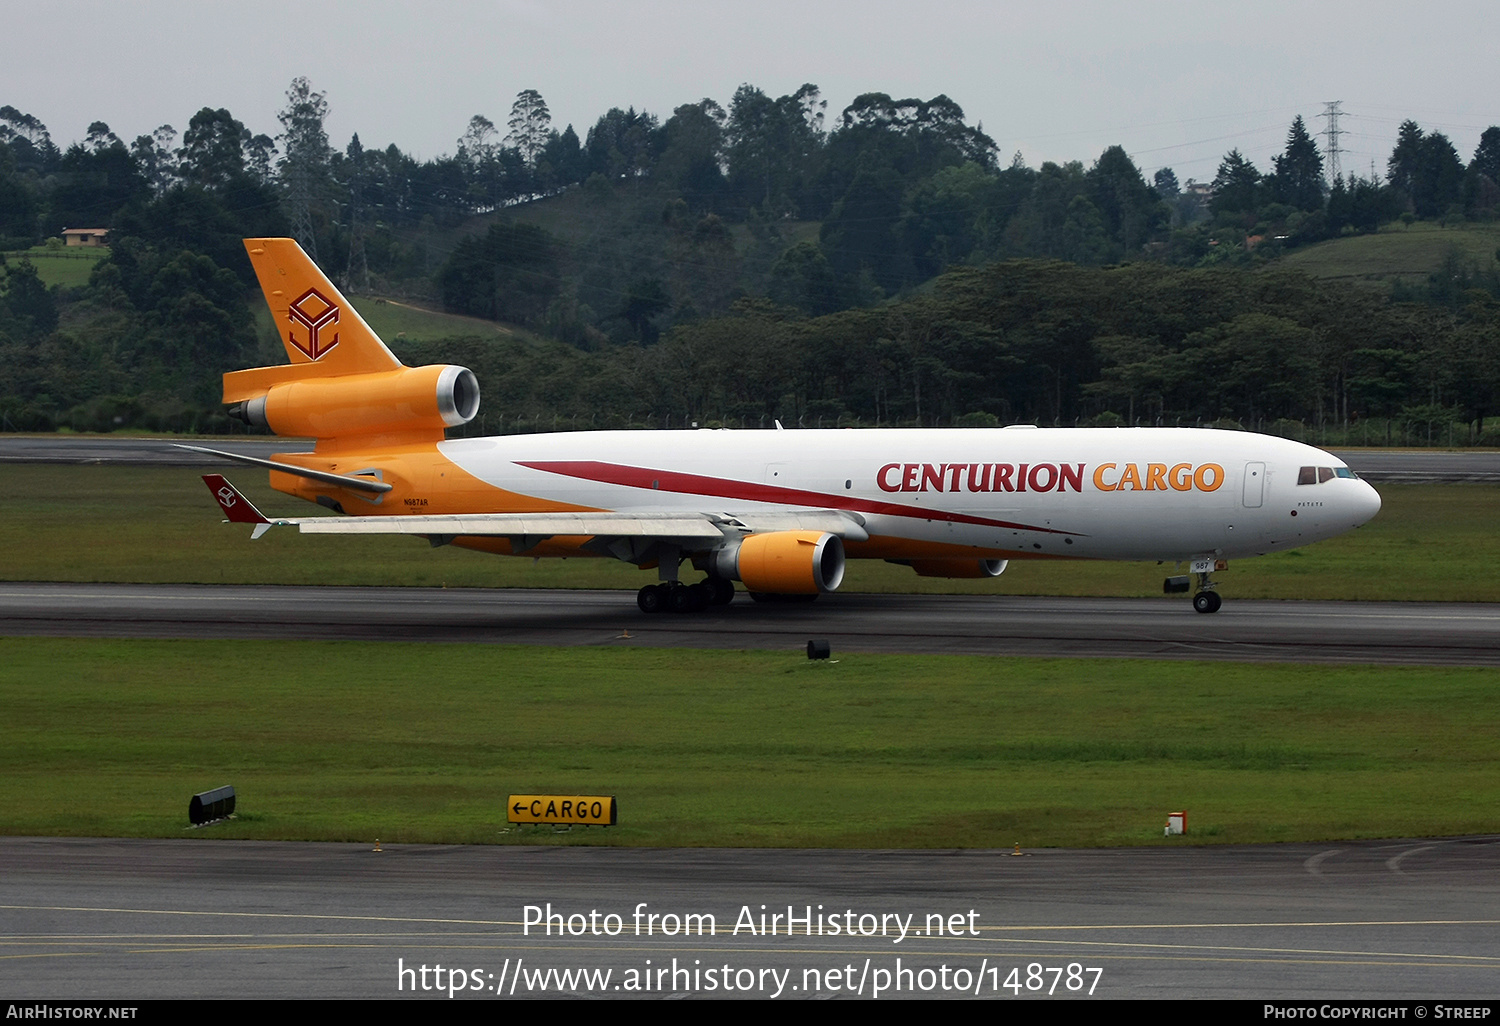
(65, 267)
(131, 524)
(396, 321)
(734, 748)
(1396, 252)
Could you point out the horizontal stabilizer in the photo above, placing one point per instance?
(360, 484)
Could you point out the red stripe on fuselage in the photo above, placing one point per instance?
(724, 488)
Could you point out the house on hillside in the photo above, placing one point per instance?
(85, 236)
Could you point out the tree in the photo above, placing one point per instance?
(305, 161)
(213, 149)
(803, 279)
(1404, 168)
(18, 205)
(1482, 179)
(644, 303)
(564, 159)
(692, 152)
(1130, 210)
(476, 147)
(1165, 183)
(100, 138)
(1487, 155)
(860, 235)
(1441, 180)
(770, 146)
(30, 143)
(530, 124)
(1236, 185)
(260, 155)
(25, 303)
(1298, 178)
(622, 144)
(94, 185)
(509, 274)
(153, 155)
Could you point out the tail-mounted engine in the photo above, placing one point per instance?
(386, 402)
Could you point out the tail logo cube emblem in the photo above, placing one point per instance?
(315, 312)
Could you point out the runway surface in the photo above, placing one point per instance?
(150, 919)
(1339, 632)
(1425, 466)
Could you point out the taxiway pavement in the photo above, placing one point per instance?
(1370, 920)
(1245, 630)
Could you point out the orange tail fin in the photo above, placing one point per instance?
(323, 334)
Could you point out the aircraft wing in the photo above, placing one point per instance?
(643, 524)
(687, 530)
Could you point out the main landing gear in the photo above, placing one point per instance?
(673, 596)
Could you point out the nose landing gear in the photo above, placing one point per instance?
(1206, 600)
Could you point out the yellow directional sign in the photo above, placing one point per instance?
(559, 809)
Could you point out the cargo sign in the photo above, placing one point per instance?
(562, 809)
(1048, 477)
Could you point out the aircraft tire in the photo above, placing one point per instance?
(687, 598)
(720, 591)
(651, 599)
(1207, 602)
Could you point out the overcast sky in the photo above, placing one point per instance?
(1177, 84)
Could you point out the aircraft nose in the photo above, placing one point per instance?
(1366, 503)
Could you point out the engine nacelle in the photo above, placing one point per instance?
(410, 399)
(785, 562)
(959, 567)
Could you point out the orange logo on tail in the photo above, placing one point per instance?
(314, 312)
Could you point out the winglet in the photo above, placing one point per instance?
(236, 507)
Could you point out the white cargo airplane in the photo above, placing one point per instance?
(779, 511)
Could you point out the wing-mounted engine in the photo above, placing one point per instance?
(397, 402)
(957, 568)
(785, 562)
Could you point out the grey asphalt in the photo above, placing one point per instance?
(1377, 465)
(1341, 632)
(70, 449)
(130, 919)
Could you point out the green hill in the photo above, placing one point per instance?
(1397, 253)
(394, 320)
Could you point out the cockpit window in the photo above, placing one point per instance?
(1317, 475)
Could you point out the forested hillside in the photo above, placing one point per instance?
(766, 259)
